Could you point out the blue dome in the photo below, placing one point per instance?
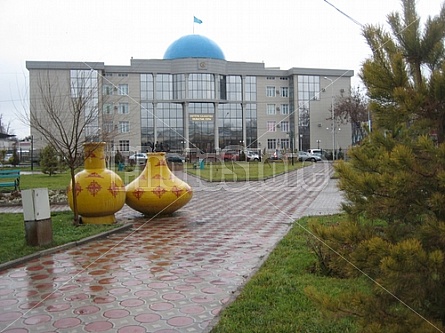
(194, 46)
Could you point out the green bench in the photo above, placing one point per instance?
(13, 176)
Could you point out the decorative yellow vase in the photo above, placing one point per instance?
(157, 190)
(100, 192)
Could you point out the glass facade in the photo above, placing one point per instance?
(147, 126)
(251, 126)
(164, 109)
(201, 86)
(230, 124)
(169, 125)
(308, 90)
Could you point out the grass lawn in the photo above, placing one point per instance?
(215, 172)
(274, 300)
(242, 171)
(12, 234)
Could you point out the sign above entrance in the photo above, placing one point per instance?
(201, 117)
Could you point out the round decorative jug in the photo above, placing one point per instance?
(100, 192)
(157, 190)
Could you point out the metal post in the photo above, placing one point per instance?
(332, 116)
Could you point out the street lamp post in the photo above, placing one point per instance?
(332, 116)
(318, 144)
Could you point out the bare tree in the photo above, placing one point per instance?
(65, 113)
(4, 128)
(353, 109)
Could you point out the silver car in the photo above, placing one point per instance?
(138, 158)
(303, 156)
(252, 156)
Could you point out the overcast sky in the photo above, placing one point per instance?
(280, 33)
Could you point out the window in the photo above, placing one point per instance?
(107, 108)
(124, 127)
(123, 108)
(124, 145)
(270, 91)
(270, 78)
(178, 86)
(201, 86)
(271, 126)
(284, 78)
(284, 91)
(308, 87)
(123, 89)
(147, 87)
(284, 108)
(122, 74)
(270, 109)
(234, 88)
(284, 144)
(250, 88)
(271, 144)
(107, 89)
(108, 127)
(284, 125)
(164, 86)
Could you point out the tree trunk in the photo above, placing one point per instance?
(74, 194)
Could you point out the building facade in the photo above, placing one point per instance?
(194, 98)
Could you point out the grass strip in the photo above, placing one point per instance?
(273, 300)
(12, 234)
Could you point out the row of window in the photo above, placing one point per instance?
(271, 91)
(272, 109)
(199, 88)
(272, 126)
(122, 127)
(273, 144)
(284, 78)
(109, 89)
(121, 108)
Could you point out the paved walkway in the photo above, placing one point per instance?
(169, 274)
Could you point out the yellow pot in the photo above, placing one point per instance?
(157, 190)
(100, 192)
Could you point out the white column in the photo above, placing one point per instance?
(185, 108)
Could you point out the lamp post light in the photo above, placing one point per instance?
(332, 116)
(301, 142)
(318, 144)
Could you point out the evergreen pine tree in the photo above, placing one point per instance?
(49, 161)
(394, 184)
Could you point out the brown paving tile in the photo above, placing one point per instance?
(147, 318)
(65, 323)
(172, 274)
(132, 329)
(99, 326)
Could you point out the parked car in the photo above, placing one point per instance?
(252, 156)
(304, 156)
(316, 151)
(230, 155)
(174, 157)
(138, 158)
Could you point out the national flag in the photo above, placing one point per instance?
(196, 20)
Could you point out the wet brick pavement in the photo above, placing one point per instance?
(169, 274)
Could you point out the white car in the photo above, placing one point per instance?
(252, 156)
(138, 158)
(303, 156)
